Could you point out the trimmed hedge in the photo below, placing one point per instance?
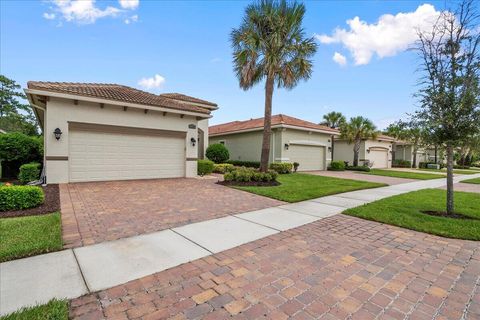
(29, 172)
(204, 167)
(20, 197)
(217, 152)
(281, 167)
(358, 168)
(248, 164)
(399, 163)
(337, 166)
(223, 167)
(457, 166)
(244, 174)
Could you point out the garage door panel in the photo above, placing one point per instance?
(309, 157)
(97, 156)
(379, 158)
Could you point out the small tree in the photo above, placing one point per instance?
(333, 120)
(270, 44)
(410, 132)
(356, 130)
(449, 86)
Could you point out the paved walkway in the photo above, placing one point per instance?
(72, 273)
(95, 212)
(465, 187)
(361, 176)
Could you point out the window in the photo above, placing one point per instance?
(222, 142)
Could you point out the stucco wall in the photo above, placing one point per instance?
(203, 125)
(292, 136)
(62, 111)
(248, 146)
(343, 151)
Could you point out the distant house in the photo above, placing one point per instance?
(292, 140)
(376, 152)
(403, 150)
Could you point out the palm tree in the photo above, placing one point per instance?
(270, 44)
(333, 120)
(356, 130)
(410, 132)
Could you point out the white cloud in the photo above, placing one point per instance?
(132, 19)
(154, 82)
(339, 58)
(390, 35)
(129, 4)
(383, 123)
(215, 60)
(49, 16)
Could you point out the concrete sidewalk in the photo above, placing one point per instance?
(72, 273)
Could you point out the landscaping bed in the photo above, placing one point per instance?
(404, 174)
(249, 183)
(53, 310)
(410, 211)
(28, 236)
(296, 187)
(51, 204)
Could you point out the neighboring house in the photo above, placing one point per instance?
(403, 150)
(96, 132)
(376, 152)
(292, 140)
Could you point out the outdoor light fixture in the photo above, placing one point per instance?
(329, 149)
(286, 146)
(58, 133)
(193, 141)
(368, 150)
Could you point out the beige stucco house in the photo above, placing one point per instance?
(377, 152)
(292, 140)
(404, 151)
(97, 132)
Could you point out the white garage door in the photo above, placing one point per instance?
(379, 158)
(108, 153)
(309, 157)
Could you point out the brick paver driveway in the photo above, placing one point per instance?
(336, 268)
(101, 211)
(361, 176)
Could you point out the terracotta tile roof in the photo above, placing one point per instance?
(115, 92)
(183, 97)
(385, 137)
(279, 119)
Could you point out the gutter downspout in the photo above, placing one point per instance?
(43, 175)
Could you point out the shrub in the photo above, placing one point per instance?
(295, 166)
(358, 168)
(217, 152)
(244, 174)
(17, 149)
(281, 167)
(29, 172)
(204, 167)
(399, 163)
(248, 164)
(460, 167)
(337, 166)
(223, 167)
(20, 197)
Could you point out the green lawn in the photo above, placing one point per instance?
(474, 181)
(27, 236)
(53, 310)
(404, 174)
(405, 211)
(457, 171)
(299, 186)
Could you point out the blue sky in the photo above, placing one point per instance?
(187, 45)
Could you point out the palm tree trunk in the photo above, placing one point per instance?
(267, 127)
(356, 150)
(450, 203)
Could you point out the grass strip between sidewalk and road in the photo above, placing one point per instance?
(473, 181)
(53, 310)
(405, 211)
(31, 235)
(300, 186)
(404, 174)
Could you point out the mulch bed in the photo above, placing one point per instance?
(250, 183)
(51, 204)
(447, 215)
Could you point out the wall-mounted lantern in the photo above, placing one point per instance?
(58, 133)
(287, 146)
(329, 149)
(193, 141)
(368, 150)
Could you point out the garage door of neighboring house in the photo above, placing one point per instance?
(309, 157)
(99, 153)
(379, 157)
